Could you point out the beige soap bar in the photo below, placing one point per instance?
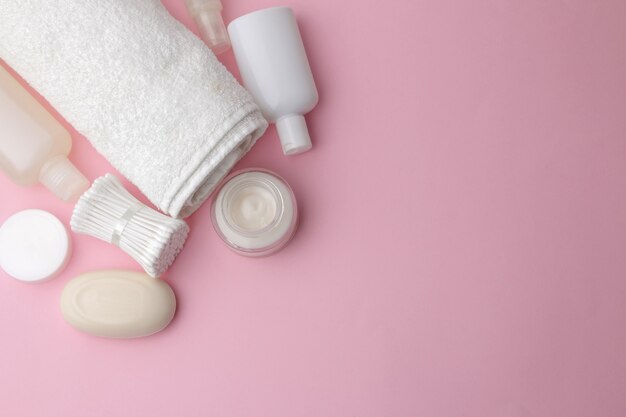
(120, 304)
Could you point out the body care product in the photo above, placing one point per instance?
(119, 304)
(208, 17)
(275, 69)
(109, 212)
(255, 212)
(34, 246)
(34, 146)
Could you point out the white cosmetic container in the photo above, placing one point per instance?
(255, 212)
(33, 144)
(34, 246)
(275, 69)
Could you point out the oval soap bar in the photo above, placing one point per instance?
(120, 304)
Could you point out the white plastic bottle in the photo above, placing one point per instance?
(33, 144)
(275, 69)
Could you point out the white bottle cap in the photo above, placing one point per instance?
(61, 177)
(208, 17)
(293, 134)
(34, 246)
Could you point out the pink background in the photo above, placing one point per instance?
(461, 252)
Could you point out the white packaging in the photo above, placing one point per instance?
(275, 69)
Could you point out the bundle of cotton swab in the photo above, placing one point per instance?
(110, 213)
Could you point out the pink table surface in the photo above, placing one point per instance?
(461, 251)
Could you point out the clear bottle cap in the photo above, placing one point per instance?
(208, 17)
(293, 134)
(61, 177)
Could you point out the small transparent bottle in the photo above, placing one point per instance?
(208, 17)
(33, 144)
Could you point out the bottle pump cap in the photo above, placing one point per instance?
(293, 134)
(61, 177)
(208, 17)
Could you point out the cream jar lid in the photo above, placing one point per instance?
(255, 212)
(34, 246)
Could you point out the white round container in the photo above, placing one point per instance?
(34, 246)
(255, 212)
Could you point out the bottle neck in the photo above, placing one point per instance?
(61, 177)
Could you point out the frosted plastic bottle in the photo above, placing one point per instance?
(275, 69)
(208, 17)
(33, 144)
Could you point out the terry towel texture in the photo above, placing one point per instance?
(148, 94)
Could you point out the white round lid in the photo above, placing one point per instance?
(34, 246)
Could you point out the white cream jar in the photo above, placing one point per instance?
(255, 212)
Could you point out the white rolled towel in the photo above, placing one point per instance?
(148, 94)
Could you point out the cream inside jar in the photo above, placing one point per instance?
(255, 212)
